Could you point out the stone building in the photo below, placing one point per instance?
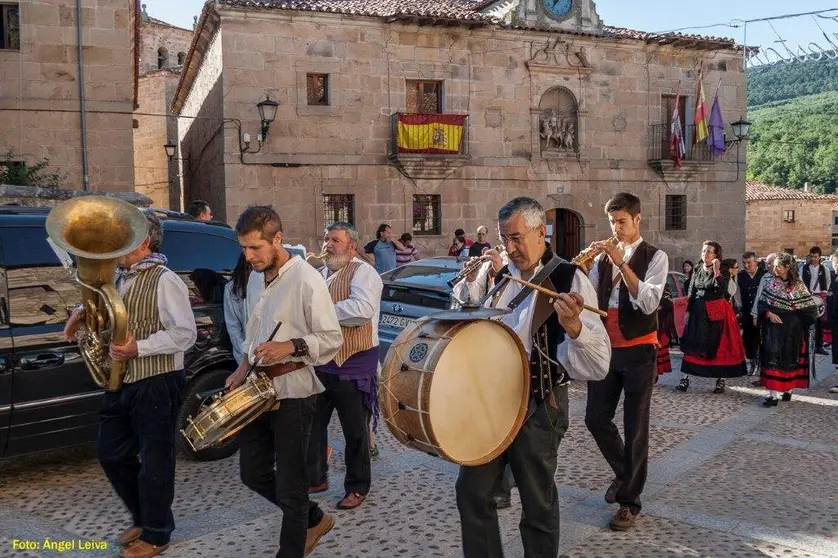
(74, 111)
(787, 219)
(430, 114)
(163, 49)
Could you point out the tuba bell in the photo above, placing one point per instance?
(98, 230)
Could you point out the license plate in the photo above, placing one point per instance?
(399, 322)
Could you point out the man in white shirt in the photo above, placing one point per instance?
(350, 378)
(817, 280)
(630, 277)
(562, 342)
(272, 449)
(139, 419)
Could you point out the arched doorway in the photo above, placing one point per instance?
(564, 229)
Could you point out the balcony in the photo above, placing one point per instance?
(697, 158)
(428, 145)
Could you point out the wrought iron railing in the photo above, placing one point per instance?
(660, 144)
(428, 134)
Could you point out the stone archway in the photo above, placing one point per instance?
(565, 232)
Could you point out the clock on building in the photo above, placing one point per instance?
(558, 9)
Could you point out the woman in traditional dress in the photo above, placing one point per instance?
(832, 315)
(712, 344)
(787, 312)
(666, 331)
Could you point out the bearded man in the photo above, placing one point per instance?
(350, 378)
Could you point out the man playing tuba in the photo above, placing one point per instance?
(139, 419)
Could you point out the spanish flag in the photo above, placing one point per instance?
(430, 133)
(700, 120)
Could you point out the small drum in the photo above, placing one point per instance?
(226, 414)
(456, 390)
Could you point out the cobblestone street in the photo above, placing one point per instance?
(727, 478)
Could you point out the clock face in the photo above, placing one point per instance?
(558, 8)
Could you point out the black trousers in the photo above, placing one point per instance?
(272, 455)
(632, 370)
(532, 457)
(136, 448)
(344, 396)
(750, 337)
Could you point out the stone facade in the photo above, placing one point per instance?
(769, 227)
(155, 175)
(40, 104)
(500, 77)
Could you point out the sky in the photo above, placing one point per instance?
(659, 15)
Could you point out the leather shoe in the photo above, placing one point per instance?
(786, 396)
(351, 501)
(314, 534)
(142, 549)
(129, 535)
(623, 520)
(317, 488)
(611, 493)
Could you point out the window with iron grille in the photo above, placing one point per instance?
(317, 89)
(676, 213)
(788, 216)
(427, 218)
(339, 207)
(9, 26)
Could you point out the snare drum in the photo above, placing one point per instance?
(226, 414)
(456, 389)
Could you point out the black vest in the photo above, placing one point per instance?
(748, 287)
(548, 334)
(806, 276)
(633, 322)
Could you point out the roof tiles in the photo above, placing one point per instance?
(756, 191)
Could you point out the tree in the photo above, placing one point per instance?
(19, 173)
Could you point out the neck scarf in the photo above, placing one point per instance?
(777, 294)
(148, 262)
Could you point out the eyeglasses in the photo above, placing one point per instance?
(515, 238)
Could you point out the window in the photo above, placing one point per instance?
(423, 97)
(788, 216)
(9, 27)
(339, 207)
(668, 107)
(317, 89)
(676, 213)
(426, 215)
(181, 58)
(162, 58)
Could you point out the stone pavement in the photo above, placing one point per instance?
(727, 478)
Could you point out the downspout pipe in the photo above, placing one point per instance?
(82, 101)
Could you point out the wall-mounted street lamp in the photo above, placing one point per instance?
(740, 128)
(267, 114)
(171, 149)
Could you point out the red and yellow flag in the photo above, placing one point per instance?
(700, 119)
(430, 133)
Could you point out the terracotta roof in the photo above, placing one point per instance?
(756, 191)
(465, 11)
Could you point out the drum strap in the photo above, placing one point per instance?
(539, 278)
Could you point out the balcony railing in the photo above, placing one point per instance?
(428, 134)
(660, 145)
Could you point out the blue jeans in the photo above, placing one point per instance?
(138, 421)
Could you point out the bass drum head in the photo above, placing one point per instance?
(479, 393)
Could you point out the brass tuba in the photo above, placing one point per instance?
(98, 231)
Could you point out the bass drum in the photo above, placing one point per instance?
(456, 390)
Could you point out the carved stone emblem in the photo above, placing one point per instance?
(558, 121)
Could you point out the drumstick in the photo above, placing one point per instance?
(554, 294)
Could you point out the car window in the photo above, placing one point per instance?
(40, 289)
(192, 250)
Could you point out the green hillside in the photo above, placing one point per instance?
(796, 141)
(782, 81)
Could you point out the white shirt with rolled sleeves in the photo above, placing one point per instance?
(650, 289)
(298, 298)
(364, 302)
(585, 358)
(179, 332)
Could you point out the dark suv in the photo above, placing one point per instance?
(47, 397)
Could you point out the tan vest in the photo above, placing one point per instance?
(355, 339)
(144, 320)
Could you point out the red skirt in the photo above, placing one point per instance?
(730, 358)
(664, 361)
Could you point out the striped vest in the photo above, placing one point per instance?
(144, 320)
(355, 339)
